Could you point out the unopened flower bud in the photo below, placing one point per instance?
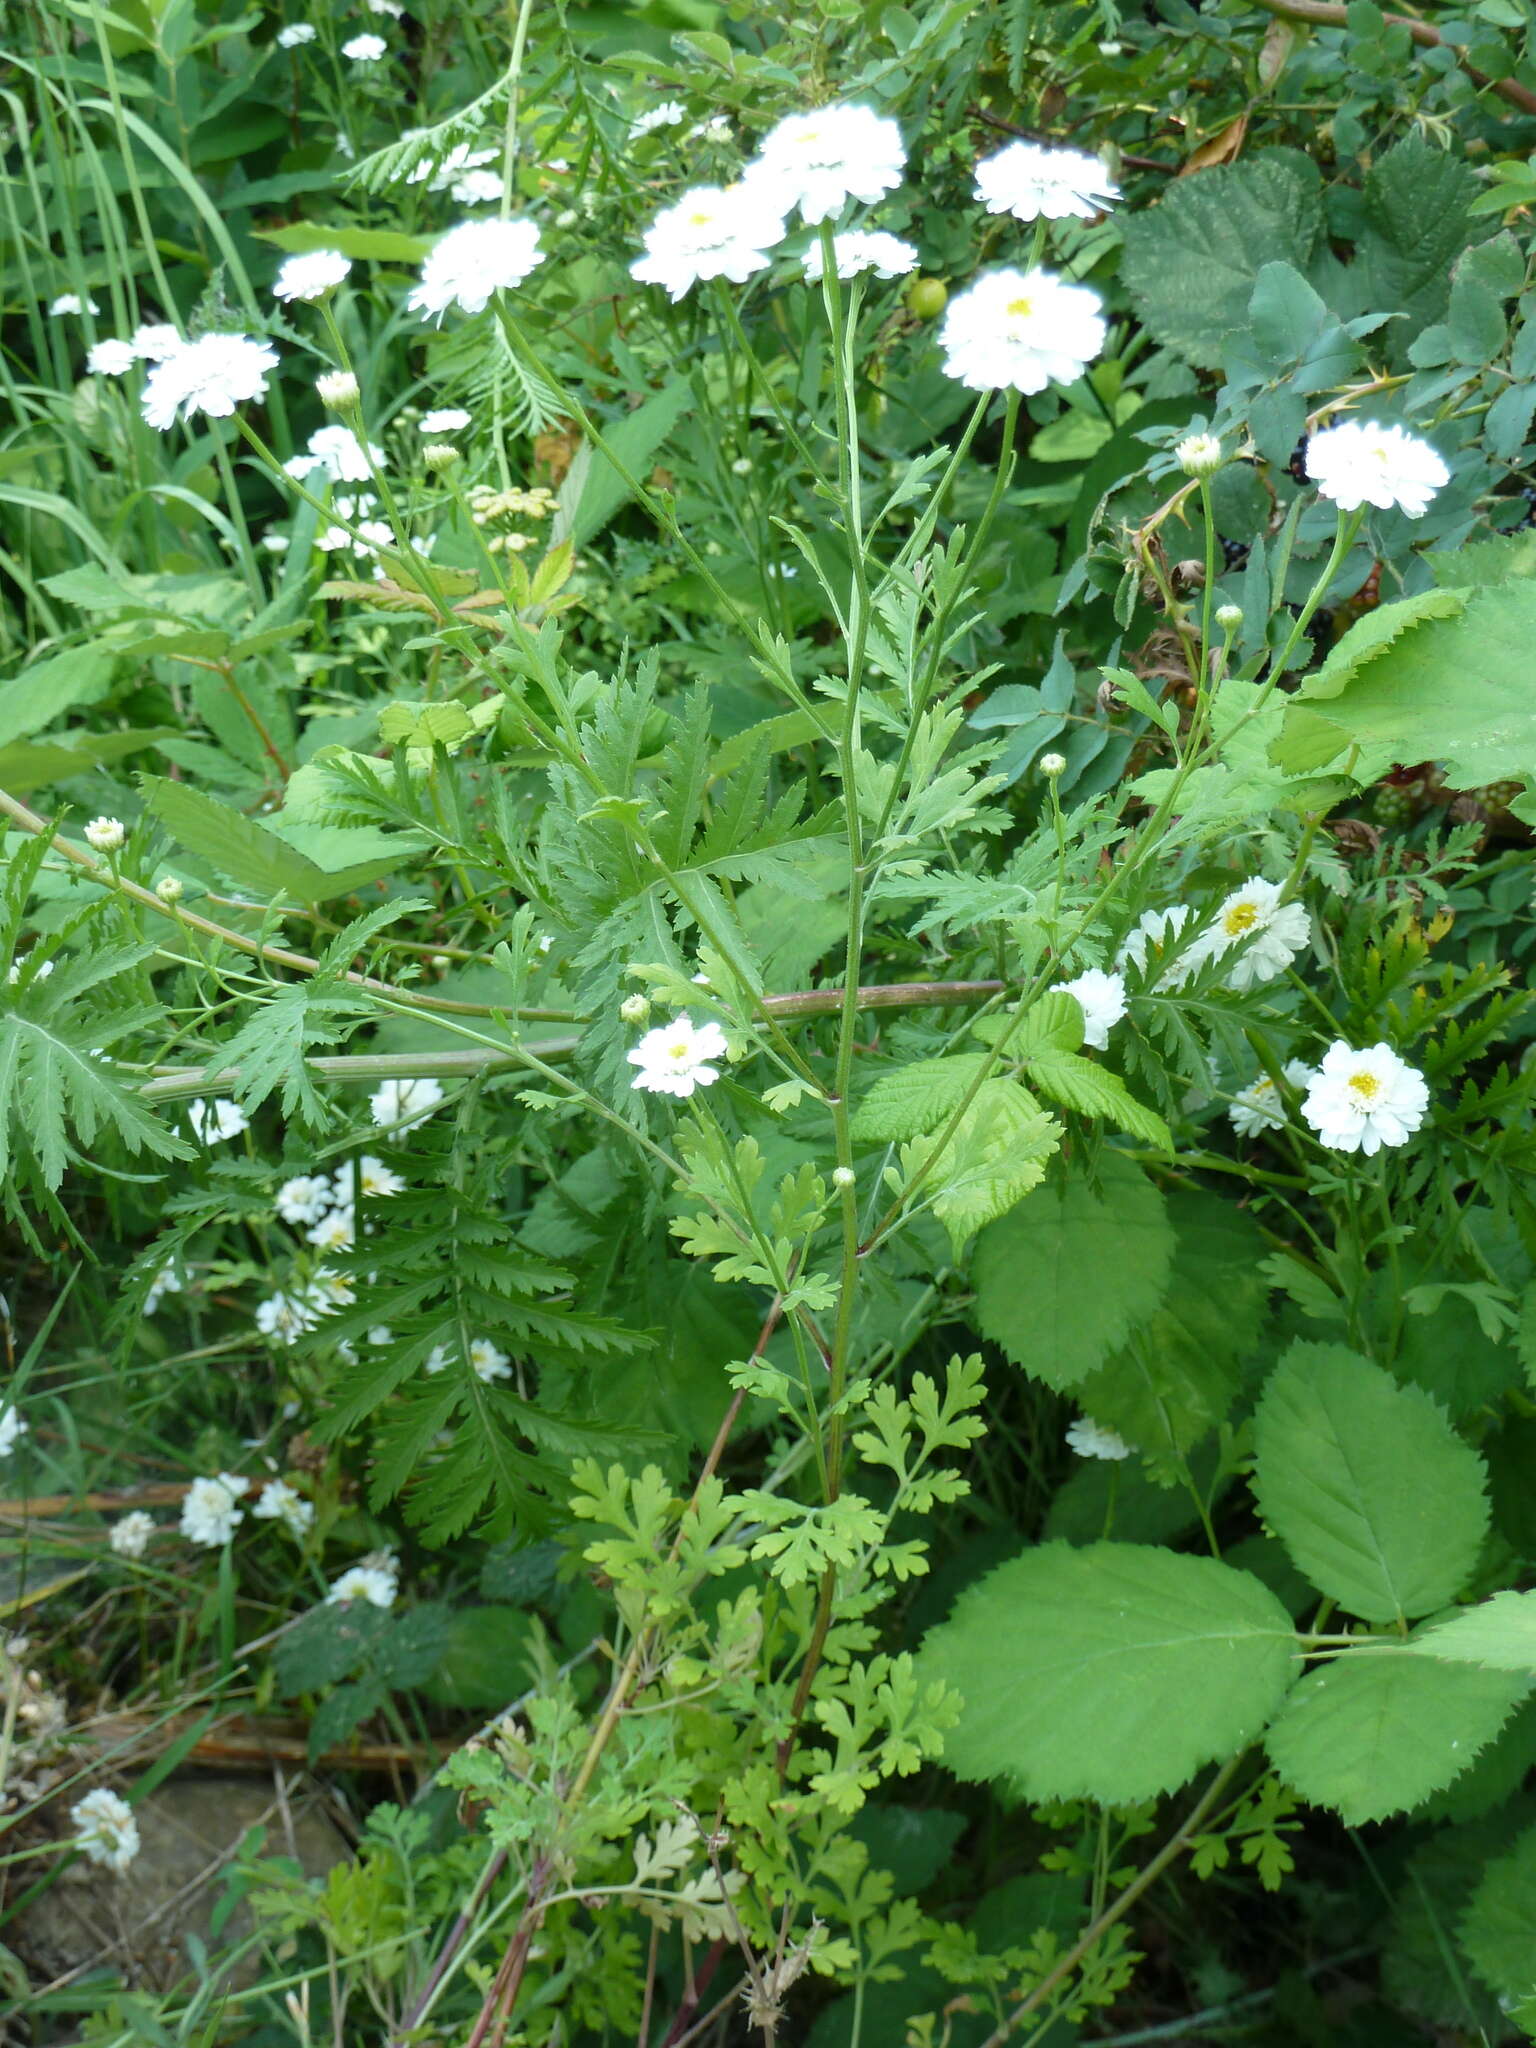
(742, 466)
(169, 888)
(440, 455)
(844, 1177)
(1053, 765)
(1199, 455)
(926, 298)
(567, 217)
(106, 835)
(337, 388)
(1229, 617)
(635, 1009)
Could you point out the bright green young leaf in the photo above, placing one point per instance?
(1110, 1673)
(1078, 1084)
(263, 860)
(1334, 1439)
(915, 1099)
(996, 1156)
(1053, 1022)
(1455, 689)
(1378, 1730)
(1499, 1633)
(363, 245)
(1064, 1279)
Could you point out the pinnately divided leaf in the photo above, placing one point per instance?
(1111, 1673)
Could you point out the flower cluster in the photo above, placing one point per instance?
(375, 1580)
(211, 1510)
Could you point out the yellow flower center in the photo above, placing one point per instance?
(700, 220)
(679, 1049)
(1242, 917)
(1021, 308)
(1365, 1084)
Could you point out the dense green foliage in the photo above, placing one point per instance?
(977, 1516)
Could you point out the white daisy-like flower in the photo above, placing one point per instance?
(305, 1198)
(130, 1534)
(1021, 329)
(405, 1103)
(478, 188)
(284, 1318)
(440, 176)
(821, 159)
(111, 358)
(712, 231)
(370, 1582)
(1156, 934)
(211, 1511)
(376, 1179)
(105, 835)
(295, 36)
(1101, 998)
(214, 1121)
(166, 1281)
(670, 114)
(1271, 934)
(105, 1829)
(280, 1502)
(380, 1334)
(335, 1232)
(1035, 183)
(311, 275)
(329, 1291)
(1360, 1101)
(337, 451)
(716, 129)
(488, 1363)
(71, 302)
(445, 419)
(364, 49)
(436, 1359)
(473, 261)
(155, 340)
(1260, 1107)
(676, 1058)
(211, 375)
(1092, 1439)
(1360, 462)
(858, 251)
(13, 1427)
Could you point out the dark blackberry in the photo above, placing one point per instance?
(1234, 553)
(1297, 466)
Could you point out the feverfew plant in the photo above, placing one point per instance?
(766, 916)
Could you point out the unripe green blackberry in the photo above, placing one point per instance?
(1498, 796)
(1392, 805)
(926, 298)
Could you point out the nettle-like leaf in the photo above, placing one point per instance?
(915, 1098)
(1110, 1673)
(1372, 1492)
(1063, 1280)
(1378, 1730)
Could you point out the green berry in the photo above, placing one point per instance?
(1392, 805)
(926, 298)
